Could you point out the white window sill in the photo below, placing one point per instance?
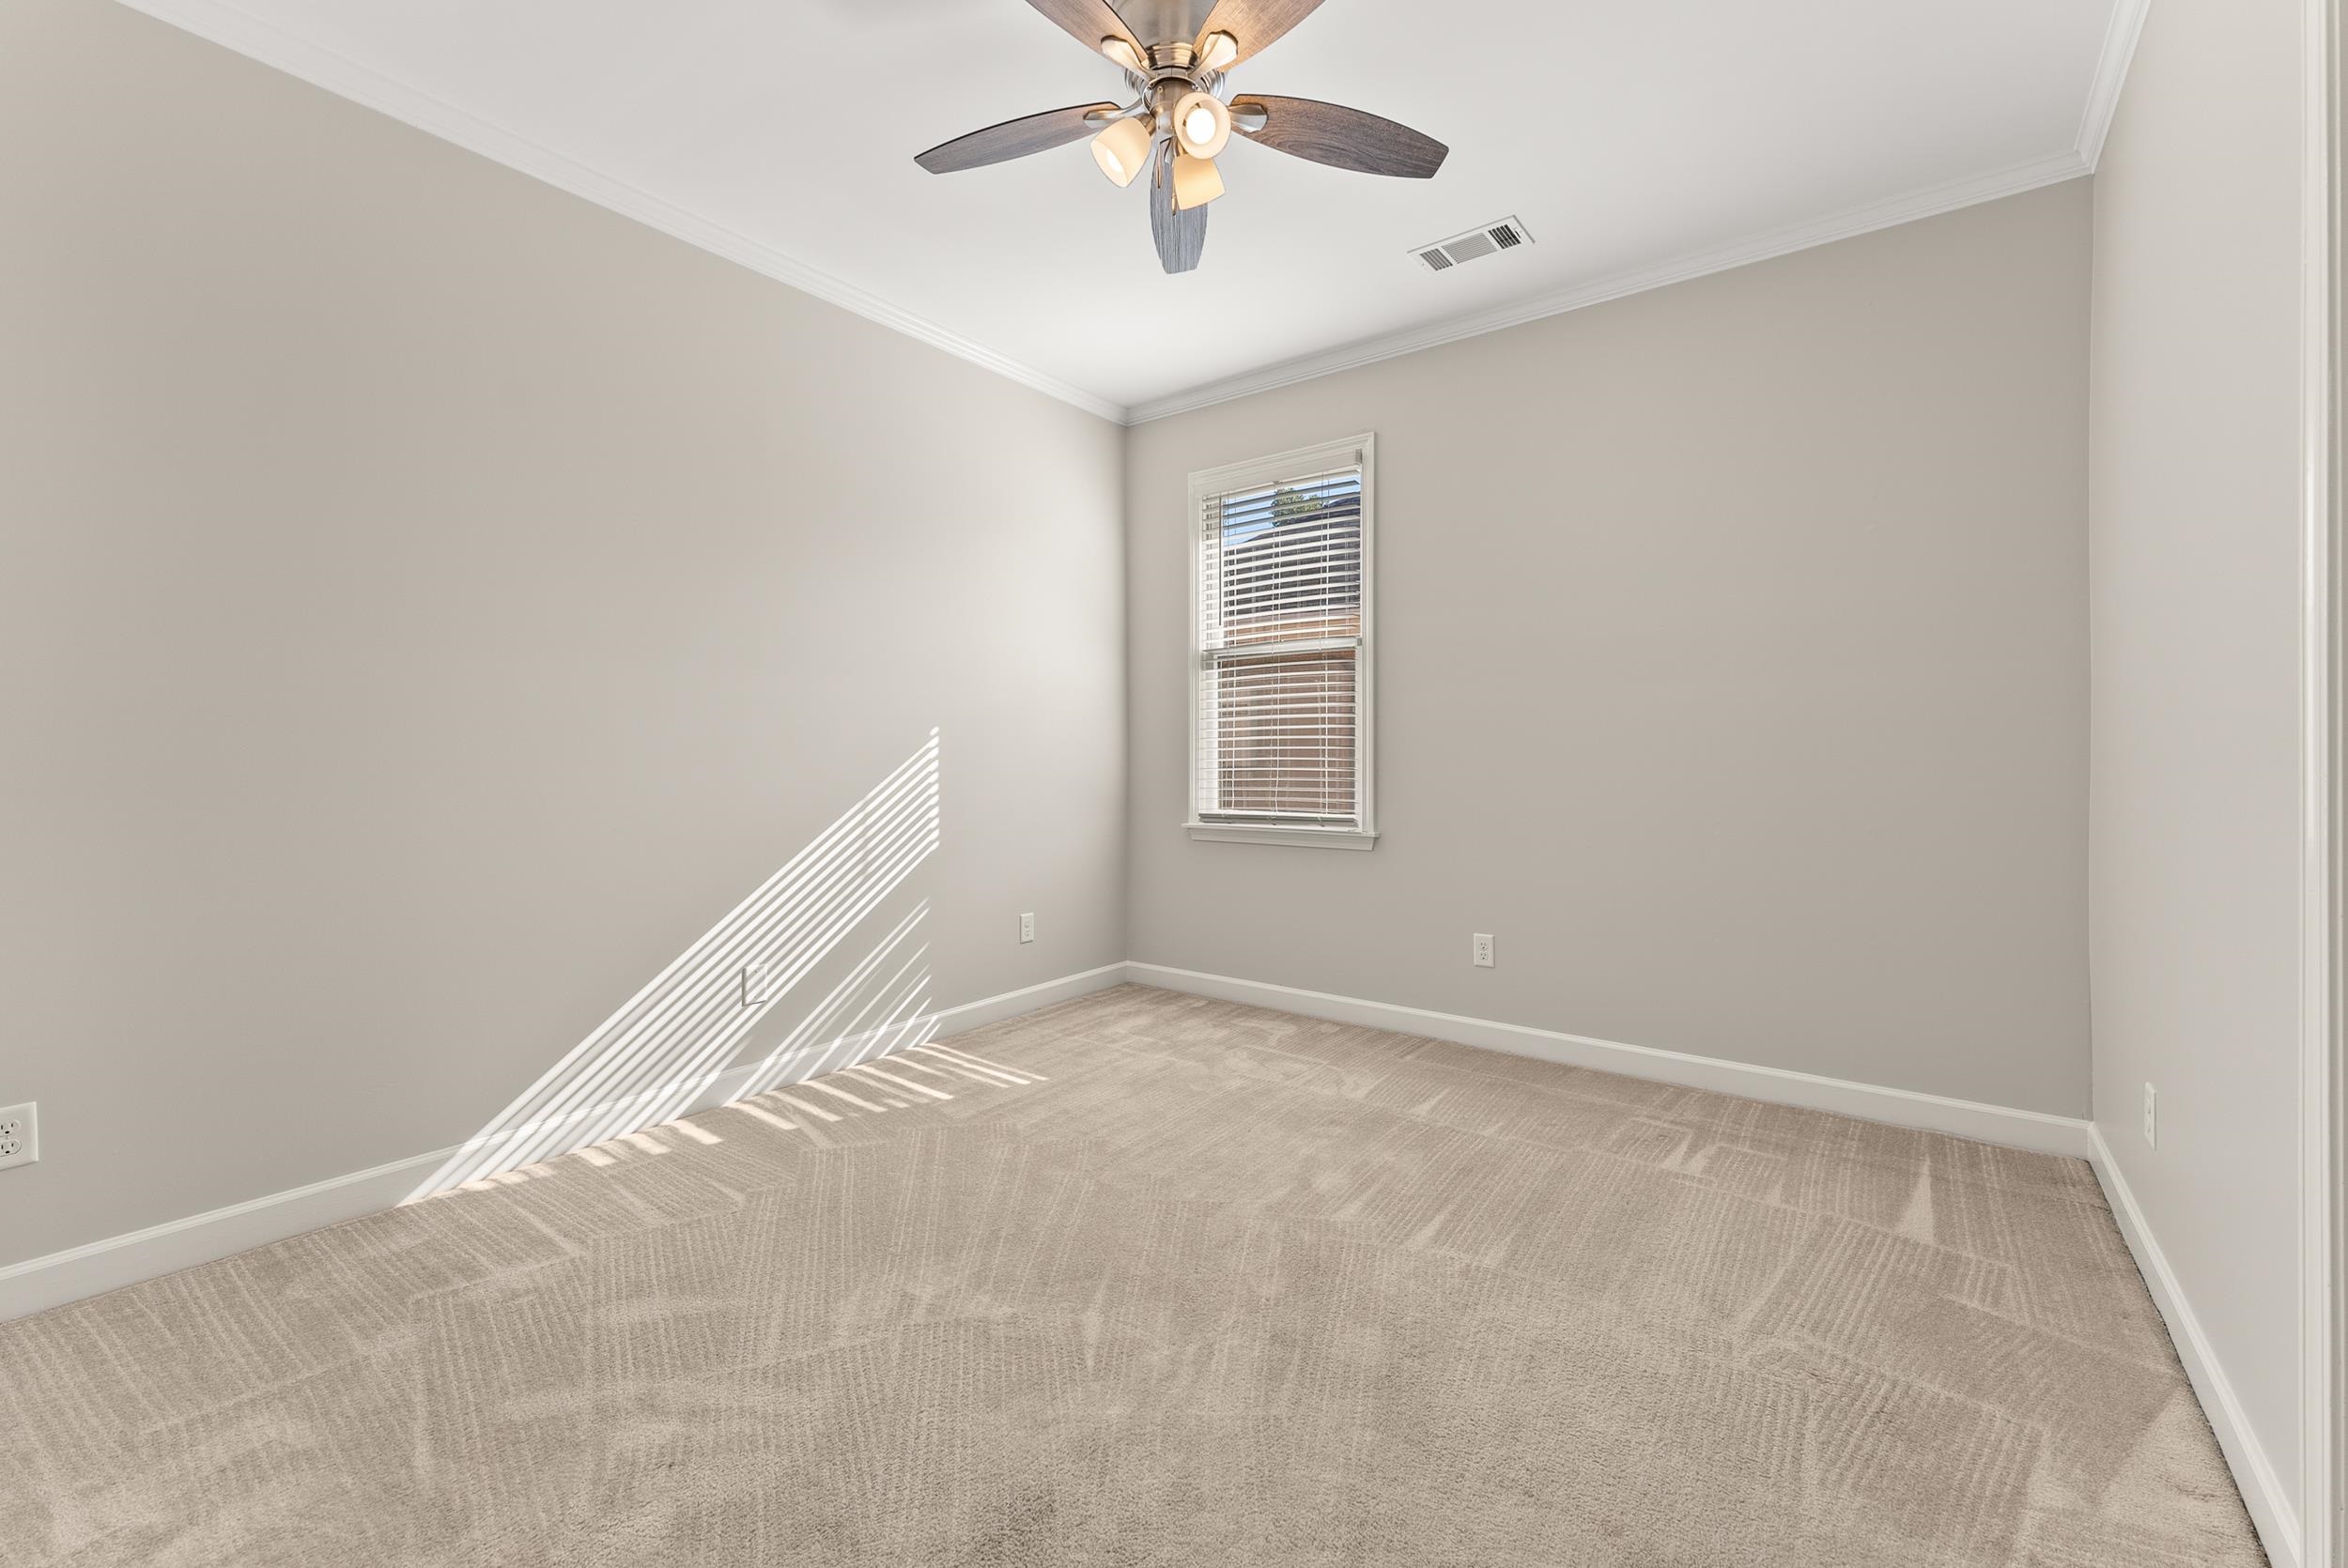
(1293, 838)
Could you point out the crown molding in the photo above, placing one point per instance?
(243, 34)
(2112, 74)
(1849, 225)
(344, 77)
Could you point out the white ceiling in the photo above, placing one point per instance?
(1637, 139)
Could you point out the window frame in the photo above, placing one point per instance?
(1275, 470)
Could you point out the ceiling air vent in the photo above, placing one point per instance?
(1506, 235)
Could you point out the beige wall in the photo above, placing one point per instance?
(2194, 572)
(429, 602)
(1733, 670)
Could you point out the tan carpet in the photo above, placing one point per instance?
(1189, 1283)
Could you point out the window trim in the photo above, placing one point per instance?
(1271, 470)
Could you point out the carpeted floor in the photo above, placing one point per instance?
(1147, 1279)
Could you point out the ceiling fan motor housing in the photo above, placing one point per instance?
(1156, 24)
(1171, 62)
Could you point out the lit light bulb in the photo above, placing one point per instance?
(1196, 181)
(1219, 49)
(1201, 124)
(1122, 150)
(1124, 55)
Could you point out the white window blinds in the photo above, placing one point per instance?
(1282, 740)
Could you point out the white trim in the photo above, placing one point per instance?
(921, 1028)
(46, 1282)
(2323, 920)
(225, 24)
(608, 1118)
(1254, 473)
(41, 1283)
(320, 67)
(2261, 1490)
(1291, 838)
(81, 1272)
(1240, 651)
(1801, 236)
(1964, 1118)
(2125, 30)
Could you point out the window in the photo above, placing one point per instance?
(1281, 710)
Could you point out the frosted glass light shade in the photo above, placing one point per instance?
(1201, 124)
(1122, 150)
(1196, 181)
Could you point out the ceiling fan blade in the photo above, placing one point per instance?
(1254, 24)
(1089, 22)
(1340, 137)
(1182, 237)
(999, 144)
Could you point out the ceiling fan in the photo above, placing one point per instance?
(1184, 112)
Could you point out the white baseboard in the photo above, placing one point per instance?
(2254, 1473)
(37, 1284)
(1964, 1118)
(502, 1147)
(875, 1044)
(81, 1271)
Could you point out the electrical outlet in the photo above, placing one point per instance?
(1483, 950)
(19, 1135)
(1027, 928)
(2152, 1118)
(759, 981)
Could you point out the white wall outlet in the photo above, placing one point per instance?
(759, 981)
(2152, 1119)
(1027, 928)
(19, 1135)
(1483, 950)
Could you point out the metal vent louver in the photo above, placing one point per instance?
(1507, 234)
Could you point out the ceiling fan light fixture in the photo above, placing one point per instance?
(1182, 114)
(1122, 150)
(1202, 125)
(1196, 181)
